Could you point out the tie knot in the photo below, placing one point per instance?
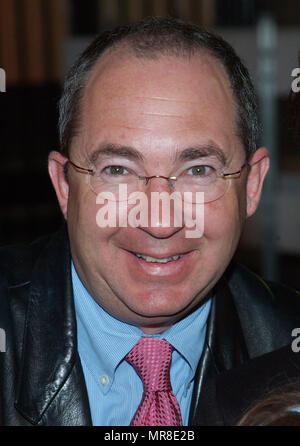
(151, 359)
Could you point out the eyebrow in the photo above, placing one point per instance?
(118, 150)
(189, 154)
(194, 153)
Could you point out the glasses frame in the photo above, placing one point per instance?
(224, 176)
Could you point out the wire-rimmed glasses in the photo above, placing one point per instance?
(209, 179)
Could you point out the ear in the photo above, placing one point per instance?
(259, 163)
(56, 162)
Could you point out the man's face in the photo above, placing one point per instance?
(159, 108)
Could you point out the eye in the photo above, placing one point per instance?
(116, 170)
(201, 170)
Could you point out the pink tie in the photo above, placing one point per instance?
(151, 359)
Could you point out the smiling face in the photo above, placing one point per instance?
(158, 109)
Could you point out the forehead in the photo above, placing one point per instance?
(162, 103)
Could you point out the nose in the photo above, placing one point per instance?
(165, 209)
(160, 232)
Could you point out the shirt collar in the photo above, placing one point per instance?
(104, 341)
(187, 336)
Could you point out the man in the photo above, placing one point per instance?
(160, 106)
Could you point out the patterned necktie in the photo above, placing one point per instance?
(151, 359)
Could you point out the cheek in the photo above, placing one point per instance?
(82, 209)
(82, 222)
(224, 219)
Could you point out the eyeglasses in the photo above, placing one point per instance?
(209, 179)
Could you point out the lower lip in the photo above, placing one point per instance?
(167, 269)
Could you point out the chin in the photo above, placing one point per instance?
(160, 305)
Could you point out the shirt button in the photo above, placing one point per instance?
(104, 380)
(187, 389)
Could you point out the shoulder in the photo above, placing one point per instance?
(24, 269)
(241, 388)
(25, 274)
(257, 299)
(244, 282)
(266, 312)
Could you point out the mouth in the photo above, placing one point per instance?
(167, 265)
(150, 259)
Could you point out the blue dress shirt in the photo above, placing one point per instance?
(114, 388)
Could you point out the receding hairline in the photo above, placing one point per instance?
(153, 38)
(129, 48)
(128, 53)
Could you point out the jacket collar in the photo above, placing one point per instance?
(50, 338)
(224, 349)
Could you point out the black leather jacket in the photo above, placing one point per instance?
(41, 377)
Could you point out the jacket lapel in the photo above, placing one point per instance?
(51, 339)
(224, 349)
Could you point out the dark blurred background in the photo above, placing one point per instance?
(39, 39)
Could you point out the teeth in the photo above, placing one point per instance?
(154, 260)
